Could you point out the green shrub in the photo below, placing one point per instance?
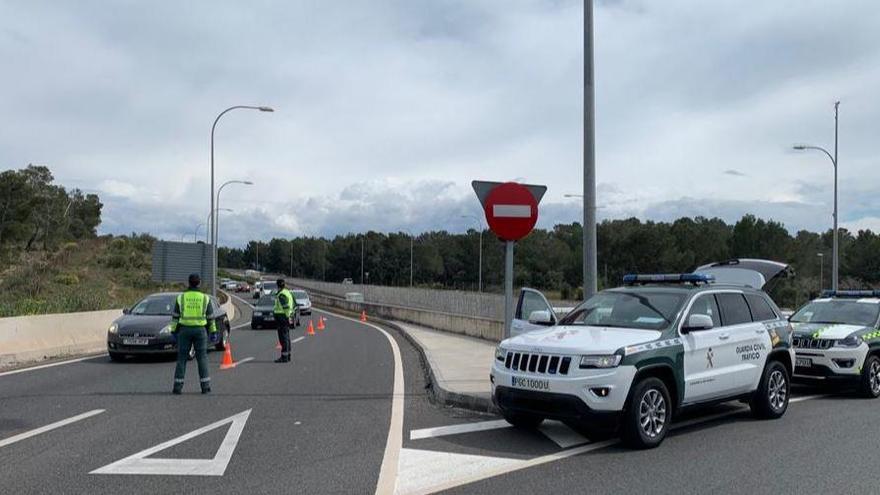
(67, 279)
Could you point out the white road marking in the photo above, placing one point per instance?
(457, 429)
(244, 360)
(806, 397)
(294, 341)
(564, 436)
(390, 461)
(426, 468)
(140, 463)
(50, 365)
(236, 327)
(43, 429)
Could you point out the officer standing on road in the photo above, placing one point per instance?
(191, 321)
(284, 306)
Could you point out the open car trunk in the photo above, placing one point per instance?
(759, 274)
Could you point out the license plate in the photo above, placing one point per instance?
(135, 341)
(530, 383)
(803, 362)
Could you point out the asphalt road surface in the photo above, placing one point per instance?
(350, 415)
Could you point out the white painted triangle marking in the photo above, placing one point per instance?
(560, 433)
(420, 470)
(140, 464)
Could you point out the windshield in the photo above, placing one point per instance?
(266, 301)
(269, 286)
(155, 306)
(643, 310)
(839, 311)
(300, 295)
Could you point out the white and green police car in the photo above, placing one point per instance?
(633, 357)
(837, 337)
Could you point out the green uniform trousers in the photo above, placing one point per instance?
(188, 337)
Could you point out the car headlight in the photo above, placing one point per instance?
(608, 361)
(113, 328)
(500, 353)
(851, 341)
(165, 330)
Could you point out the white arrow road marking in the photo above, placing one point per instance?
(43, 429)
(511, 211)
(140, 464)
(560, 433)
(420, 470)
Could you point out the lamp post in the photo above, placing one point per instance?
(480, 262)
(196, 232)
(214, 218)
(217, 232)
(835, 262)
(590, 247)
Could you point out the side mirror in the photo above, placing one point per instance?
(541, 317)
(698, 322)
(126, 311)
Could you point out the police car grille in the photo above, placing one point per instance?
(808, 343)
(537, 363)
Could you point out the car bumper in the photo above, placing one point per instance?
(585, 386)
(155, 345)
(835, 362)
(305, 311)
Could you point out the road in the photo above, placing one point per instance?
(351, 415)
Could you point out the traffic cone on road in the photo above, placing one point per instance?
(363, 316)
(311, 329)
(320, 323)
(227, 358)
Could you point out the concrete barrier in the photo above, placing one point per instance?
(484, 328)
(26, 339)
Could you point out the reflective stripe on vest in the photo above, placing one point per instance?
(279, 309)
(193, 305)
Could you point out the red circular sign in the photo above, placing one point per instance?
(511, 211)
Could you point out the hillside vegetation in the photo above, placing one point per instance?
(86, 275)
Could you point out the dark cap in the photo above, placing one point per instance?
(280, 282)
(194, 280)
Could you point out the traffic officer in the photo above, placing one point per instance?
(191, 321)
(284, 307)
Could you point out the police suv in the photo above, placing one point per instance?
(632, 357)
(837, 337)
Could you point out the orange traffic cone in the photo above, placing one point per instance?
(311, 328)
(227, 358)
(363, 316)
(320, 323)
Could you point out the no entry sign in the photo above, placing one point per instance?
(511, 208)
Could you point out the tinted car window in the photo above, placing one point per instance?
(850, 311)
(761, 310)
(706, 305)
(531, 302)
(269, 286)
(734, 310)
(300, 295)
(161, 305)
(266, 301)
(642, 309)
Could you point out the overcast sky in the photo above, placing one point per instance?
(386, 110)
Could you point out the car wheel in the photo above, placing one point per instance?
(771, 399)
(523, 420)
(869, 385)
(224, 339)
(648, 414)
(117, 357)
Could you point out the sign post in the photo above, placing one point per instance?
(511, 211)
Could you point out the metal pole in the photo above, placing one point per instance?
(196, 233)
(508, 288)
(836, 261)
(590, 248)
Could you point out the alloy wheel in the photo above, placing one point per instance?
(652, 413)
(777, 390)
(874, 377)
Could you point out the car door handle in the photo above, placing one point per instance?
(724, 336)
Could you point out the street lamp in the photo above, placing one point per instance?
(213, 218)
(216, 232)
(480, 265)
(196, 232)
(835, 262)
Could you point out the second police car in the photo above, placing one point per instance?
(631, 358)
(837, 337)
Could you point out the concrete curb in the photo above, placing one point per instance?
(436, 392)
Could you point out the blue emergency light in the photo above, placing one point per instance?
(668, 278)
(851, 293)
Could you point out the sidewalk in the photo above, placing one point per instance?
(457, 365)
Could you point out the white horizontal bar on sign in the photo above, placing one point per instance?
(511, 211)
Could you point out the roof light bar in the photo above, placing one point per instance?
(851, 293)
(668, 278)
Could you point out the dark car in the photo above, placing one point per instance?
(145, 328)
(263, 315)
